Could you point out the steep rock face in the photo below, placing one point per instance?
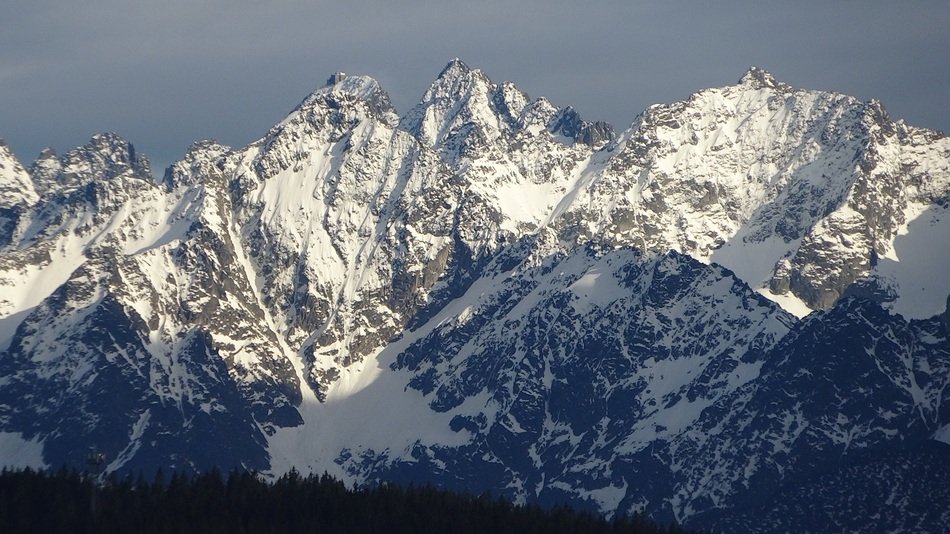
(16, 193)
(15, 184)
(515, 158)
(842, 384)
(575, 370)
(322, 206)
(815, 182)
(569, 124)
(350, 221)
(92, 189)
(689, 175)
(648, 390)
(891, 490)
(158, 266)
(104, 157)
(842, 247)
(79, 375)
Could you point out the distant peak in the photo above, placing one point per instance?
(454, 81)
(568, 123)
(110, 150)
(106, 137)
(455, 66)
(47, 153)
(758, 78)
(457, 75)
(336, 78)
(205, 145)
(109, 141)
(46, 165)
(361, 87)
(457, 71)
(342, 89)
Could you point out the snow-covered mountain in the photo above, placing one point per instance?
(489, 292)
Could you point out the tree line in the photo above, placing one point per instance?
(69, 501)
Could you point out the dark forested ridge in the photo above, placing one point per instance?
(67, 501)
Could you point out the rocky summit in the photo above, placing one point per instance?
(733, 307)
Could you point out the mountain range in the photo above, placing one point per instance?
(733, 310)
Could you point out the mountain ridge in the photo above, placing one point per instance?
(471, 293)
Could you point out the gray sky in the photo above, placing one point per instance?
(166, 73)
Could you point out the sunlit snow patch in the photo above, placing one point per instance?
(17, 452)
(919, 263)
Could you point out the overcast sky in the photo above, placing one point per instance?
(166, 73)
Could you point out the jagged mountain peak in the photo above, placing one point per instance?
(876, 115)
(475, 293)
(342, 91)
(362, 87)
(760, 78)
(112, 146)
(463, 103)
(107, 155)
(104, 157)
(6, 153)
(761, 161)
(457, 80)
(203, 159)
(461, 100)
(15, 184)
(328, 115)
(45, 168)
(454, 67)
(47, 153)
(568, 122)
